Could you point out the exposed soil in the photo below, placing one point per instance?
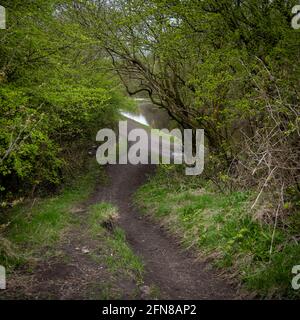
(72, 274)
(175, 271)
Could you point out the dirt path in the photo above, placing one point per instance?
(174, 271)
(70, 273)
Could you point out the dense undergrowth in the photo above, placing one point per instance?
(54, 97)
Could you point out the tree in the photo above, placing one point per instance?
(229, 67)
(56, 92)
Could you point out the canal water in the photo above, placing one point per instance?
(148, 114)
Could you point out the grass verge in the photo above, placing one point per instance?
(117, 254)
(221, 227)
(41, 222)
(38, 235)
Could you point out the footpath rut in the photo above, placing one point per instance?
(168, 266)
(71, 274)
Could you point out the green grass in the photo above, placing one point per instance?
(118, 255)
(37, 228)
(41, 223)
(221, 227)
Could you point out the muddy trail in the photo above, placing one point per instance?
(69, 270)
(175, 271)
